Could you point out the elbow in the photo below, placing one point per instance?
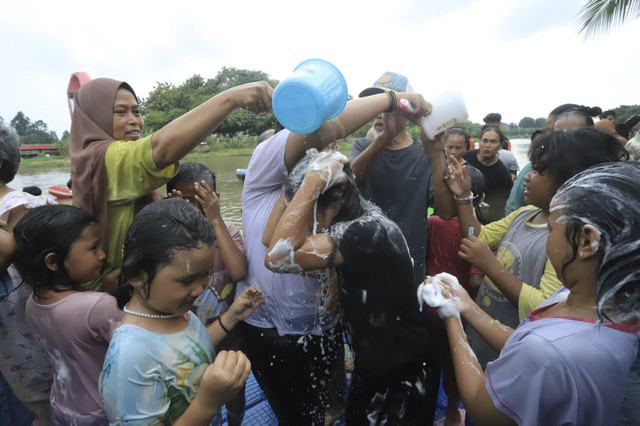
(281, 258)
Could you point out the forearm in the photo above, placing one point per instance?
(274, 218)
(233, 259)
(356, 114)
(466, 218)
(290, 233)
(468, 372)
(198, 413)
(179, 137)
(471, 380)
(443, 198)
(216, 332)
(362, 164)
(492, 331)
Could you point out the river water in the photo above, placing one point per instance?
(228, 185)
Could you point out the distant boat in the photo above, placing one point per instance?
(241, 174)
(60, 191)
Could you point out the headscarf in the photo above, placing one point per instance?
(91, 135)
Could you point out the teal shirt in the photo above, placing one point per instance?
(516, 198)
(151, 377)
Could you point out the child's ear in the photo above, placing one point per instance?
(589, 242)
(51, 262)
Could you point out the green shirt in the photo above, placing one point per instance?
(131, 175)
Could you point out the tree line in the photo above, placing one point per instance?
(167, 101)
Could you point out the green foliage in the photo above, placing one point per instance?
(527, 122)
(31, 133)
(540, 122)
(600, 16)
(625, 111)
(167, 102)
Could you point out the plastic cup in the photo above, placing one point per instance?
(315, 92)
(448, 109)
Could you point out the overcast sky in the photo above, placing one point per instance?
(519, 58)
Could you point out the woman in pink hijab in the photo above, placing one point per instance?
(115, 170)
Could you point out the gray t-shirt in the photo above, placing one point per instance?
(522, 252)
(560, 370)
(509, 160)
(400, 184)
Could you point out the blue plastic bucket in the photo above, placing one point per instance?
(315, 93)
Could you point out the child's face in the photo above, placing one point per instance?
(86, 258)
(176, 286)
(189, 193)
(539, 188)
(558, 248)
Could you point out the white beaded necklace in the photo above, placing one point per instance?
(152, 316)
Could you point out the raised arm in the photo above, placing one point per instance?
(434, 151)
(459, 183)
(291, 249)
(356, 114)
(178, 138)
(233, 259)
(362, 164)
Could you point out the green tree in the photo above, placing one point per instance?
(167, 102)
(21, 123)
(600, 16)
(540, 122)
(33, 133)
(625, 111)
(527, 122)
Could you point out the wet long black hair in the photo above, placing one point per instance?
(160, 230)
(347, 193)
(607, 197)
(43, 230)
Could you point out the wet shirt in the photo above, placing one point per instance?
(294, 304)
(378, 296)
(75, 333)
(152, 377)
(23, 361)
(400, 183)
(560, 370)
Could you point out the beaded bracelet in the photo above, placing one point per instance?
(465, 200)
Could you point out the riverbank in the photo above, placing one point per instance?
(45, 163)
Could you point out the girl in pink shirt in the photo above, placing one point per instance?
(58, 247)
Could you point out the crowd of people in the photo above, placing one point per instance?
(133, 306)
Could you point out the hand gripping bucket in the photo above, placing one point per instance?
(448, 110)
(315, 92)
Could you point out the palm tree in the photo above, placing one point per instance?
(599, 16)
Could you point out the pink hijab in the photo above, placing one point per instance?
(91, 135)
